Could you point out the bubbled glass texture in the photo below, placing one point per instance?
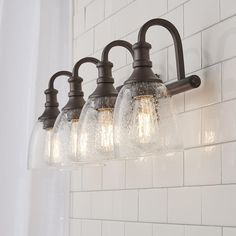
(144, 123)
(65, 138)
(95, 130)
(40, 147)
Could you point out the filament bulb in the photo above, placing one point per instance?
(73, 138)
(104, 135)
(145, 119)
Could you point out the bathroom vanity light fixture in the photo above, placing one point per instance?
(136, 122)
(39, 155)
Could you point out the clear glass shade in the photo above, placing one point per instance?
(39, 154)
(144, 123)
(95, 130)
(64, 139)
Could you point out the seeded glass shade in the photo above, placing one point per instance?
(64, 144)
(144, 123)
(39, 155)
(95, 130)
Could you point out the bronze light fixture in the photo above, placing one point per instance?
(134, 123)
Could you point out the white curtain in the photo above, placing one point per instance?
(34, 43)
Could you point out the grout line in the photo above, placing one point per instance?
(219, 9)
(155, 223)
(221, 163)
(164, 187)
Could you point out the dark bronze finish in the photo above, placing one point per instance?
(51, 106)
(105, 81)
(142, 64)
(76, 96)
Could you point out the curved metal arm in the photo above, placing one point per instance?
(77, 65)
(176, 38)
(59, 73)
(115, 43)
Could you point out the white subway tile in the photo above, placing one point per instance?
(229, 79)
(79, 22)
(139, 173)
(153, 205)
(229, 163)
(84, 45)
(168, 230)
(229, 231)
(160, 37)
(209, 91)
(94, 13)
(113, 228)
(138, 229)
(192, 53)
(114, 175)
(75, 227)
(143, 13)
(202, 166)
(76, 180)
(209, 14)
(117, 56)
(168, 171)
(218, 205)
(91, 228)
(202, 231)
(178, 103)
(112, 6)
(101, 204)
(104, 34)
(219, 123)
(190, 123)
(159, 64)
(122, 75)
(174, 3)
(218, 42)
(184, 205)
(192, 56)
(227, 8)
(88, 88)
(125, 205)
(83, 2)
(81, 203)
(92, 178)
(131, 38)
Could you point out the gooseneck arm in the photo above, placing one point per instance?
(56, 75)
(120, 43)
(183, 83)
(176, 38)
(76, 67)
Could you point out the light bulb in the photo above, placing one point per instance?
(48, 144)
(104, 134)
(145, 119)
(40, 149)
(73, 138)
(95, 131)
(65, 139)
